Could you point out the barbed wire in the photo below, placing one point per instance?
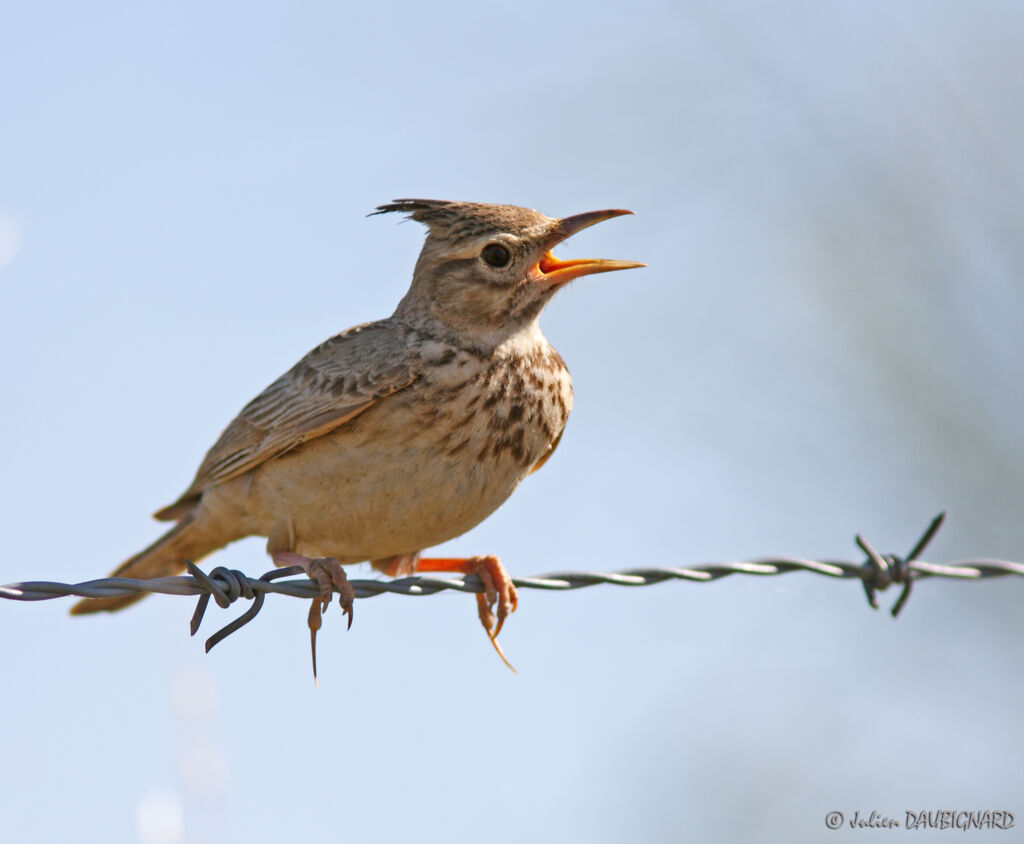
(876, 573)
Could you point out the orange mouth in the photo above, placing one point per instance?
(555, 271)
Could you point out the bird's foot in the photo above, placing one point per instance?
(498, 591)
(329, 577)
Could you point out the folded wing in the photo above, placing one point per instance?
(335, 382)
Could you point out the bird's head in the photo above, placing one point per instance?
(486, 271)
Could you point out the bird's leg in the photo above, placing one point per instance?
(330, 577)
(400, 565)
(498, 589)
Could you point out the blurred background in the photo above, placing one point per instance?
(828, 340)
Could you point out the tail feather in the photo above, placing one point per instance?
(164, 557)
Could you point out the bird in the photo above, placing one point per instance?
(397, 435)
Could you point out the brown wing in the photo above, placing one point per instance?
(336, 381)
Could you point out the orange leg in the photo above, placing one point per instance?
(498, 586)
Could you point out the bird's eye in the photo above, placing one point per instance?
(496, 255)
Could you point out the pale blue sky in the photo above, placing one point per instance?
(827, 340)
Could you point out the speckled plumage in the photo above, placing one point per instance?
(400, 434)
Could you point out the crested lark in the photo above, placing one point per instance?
(397, 435)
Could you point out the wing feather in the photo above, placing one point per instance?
(335, 382)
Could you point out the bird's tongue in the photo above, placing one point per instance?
(549, 263)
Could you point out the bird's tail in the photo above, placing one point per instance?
(164, 557)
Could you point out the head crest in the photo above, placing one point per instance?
(456, 221)
(421, 210)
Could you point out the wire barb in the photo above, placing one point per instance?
(238, 586)
(882, 571)
(226, 586)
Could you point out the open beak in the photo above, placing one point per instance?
(554, 271)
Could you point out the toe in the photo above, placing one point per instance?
(487, 619)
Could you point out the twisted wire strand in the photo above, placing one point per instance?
(876, 574)
(303, 587)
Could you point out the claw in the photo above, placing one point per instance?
(501, 653)
(329, 576)
(498, 590)
(315, 623)
(347, 604)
